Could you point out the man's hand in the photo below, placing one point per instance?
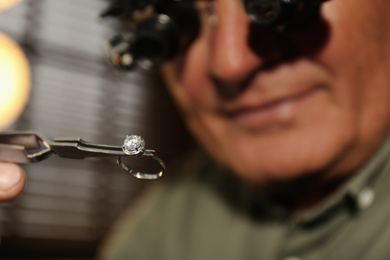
(12, 181)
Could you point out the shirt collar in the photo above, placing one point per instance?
(359, 191)
(356, 193)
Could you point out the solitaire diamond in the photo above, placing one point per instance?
(133, 144)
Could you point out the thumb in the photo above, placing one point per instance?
(12, 181)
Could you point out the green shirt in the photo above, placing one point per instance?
(211, 215)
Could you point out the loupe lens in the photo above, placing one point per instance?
(265, 12)
(156, 41)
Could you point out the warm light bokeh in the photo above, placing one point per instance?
(14, 81)
(6, 4)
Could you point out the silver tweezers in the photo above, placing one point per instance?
(32, 147)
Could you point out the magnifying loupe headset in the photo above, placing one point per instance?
(163, 27)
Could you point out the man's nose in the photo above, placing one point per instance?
(232, 58)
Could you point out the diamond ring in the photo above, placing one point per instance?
(135, 145)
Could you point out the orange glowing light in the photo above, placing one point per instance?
(15, 80)
(6, 4)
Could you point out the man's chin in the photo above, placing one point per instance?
(281, 165)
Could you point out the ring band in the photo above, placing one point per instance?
(135, 145)
(142, 175)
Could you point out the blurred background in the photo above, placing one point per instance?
(68, 205)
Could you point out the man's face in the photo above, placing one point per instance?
(278, 106)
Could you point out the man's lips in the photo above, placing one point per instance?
(272, 112)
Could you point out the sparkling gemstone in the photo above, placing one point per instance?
(133, 144)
